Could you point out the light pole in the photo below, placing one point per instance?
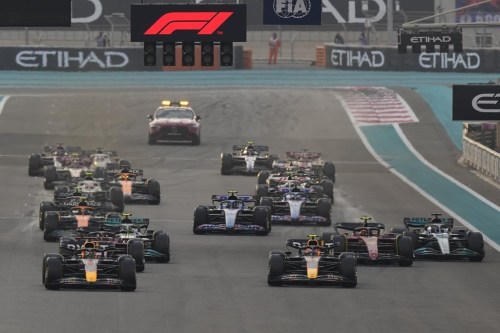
(392, 6)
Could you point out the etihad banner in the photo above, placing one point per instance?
(476, 102)
(73, 59)
(489, 12)
(188, 23)
(388, 58)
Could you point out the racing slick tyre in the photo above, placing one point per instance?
(67, 246)
(329, 170)
(327, 237)
(53, 273)
(34, 164)
(226, 160)
(262, 177)
(50, 176)
(261, 191)
(125, 164)
(153, 189)
(116, 196)
(267, 202)
(414, 238)
(475, 243)
(398, 230)
(262, 219)
(327, 186)
(339, 243)
(151, 140)
(200, 218)
(44, 263)
(50, 226)
(405, 250)
(44, 207)
(276, 269)
(100, 173)
(161, 244)
(135, 248)
(325, 210)
(348, 270)
(126, 273)
(270, 161)
(196, 140)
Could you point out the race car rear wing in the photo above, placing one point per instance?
(420, 222)
(351, 226)
(137, 221)
(224, 197)
(303, 155)
(302, 243)
(258, 148)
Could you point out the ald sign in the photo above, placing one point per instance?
(292, 12)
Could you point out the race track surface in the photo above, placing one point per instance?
(218, 283)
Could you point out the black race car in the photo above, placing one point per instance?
(90, 266)
(314, 262)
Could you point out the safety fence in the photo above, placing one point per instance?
(481, 158)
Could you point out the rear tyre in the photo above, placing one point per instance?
(327, 237)
(135, 248)
(127, 274)
(348, 270)
(276, 269)
(340, 243)
(262, 219)
(267, 202)
(475, 243)
(405, 250)
(151, 140)
(196, 140)
(327, 186)
(325, 210)
(272, 158)
(100, 173)
(329, 170)
(50, 176)
(161, 244)
(398, 230)
(262, 177)
(200, 218)
(226, 163)
(44, 207)
(50, 226)
(34, 164)
(116, 196)
(53, 273)
(261, 191)
(153, 189)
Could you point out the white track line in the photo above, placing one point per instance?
(2, 103)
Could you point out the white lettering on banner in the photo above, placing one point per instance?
(469, 60)
(430, 39)
(65, 59)
(352, 13)
(350, 58)
(95, 15)
(486, 99)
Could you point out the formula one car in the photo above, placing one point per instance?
(307, 160)
(174, 121)
(435, 238)
(278, 182)
(37, 161)
(313, 263)
(298, 207)
(371, 245)
(89, 267)
(136, 189)
(247, 159)
(230, 214)
(61, 220)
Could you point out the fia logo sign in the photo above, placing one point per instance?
(292, 8)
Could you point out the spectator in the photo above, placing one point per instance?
(338, 39)
(362, 39)
(368, 28)
(99, 40)
(274, 45)
(105, 40)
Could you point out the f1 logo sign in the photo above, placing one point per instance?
(188, 23)
(206, 23)
(486, 99)
(476, 102)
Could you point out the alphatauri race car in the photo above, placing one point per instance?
(230, 214)
(247, 159)
(435, 238)
(90, 266)
(371, 245)
(314, 262)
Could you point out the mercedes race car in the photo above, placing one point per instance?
(313, 263)
(435, 238)
(174, 121)
(231, 214)
(247, 159)
(296, 207)
(371, 245)
(90, 266)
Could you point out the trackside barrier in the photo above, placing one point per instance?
(320, 56)
(481, 158)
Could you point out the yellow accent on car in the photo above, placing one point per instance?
(183, 103)
(165, 103)
(312, 273)
(91, 276)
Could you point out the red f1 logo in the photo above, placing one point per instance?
(205, 22)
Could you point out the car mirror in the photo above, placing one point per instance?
(150, 116)
(197, 118)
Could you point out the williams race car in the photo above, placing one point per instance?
(313, 263)
(371, 245)
(435, 238)
(230, 214)
(89, 267)
(247, 159)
